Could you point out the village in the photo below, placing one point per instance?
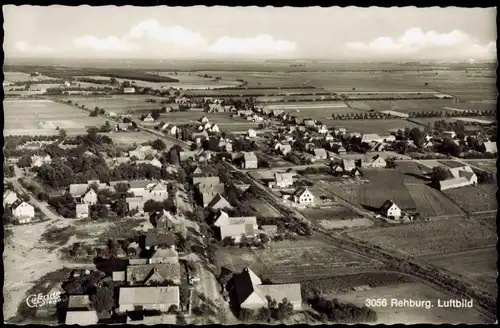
(200, 188)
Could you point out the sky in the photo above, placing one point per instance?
(200, 32)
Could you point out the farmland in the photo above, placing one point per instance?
(334, 216)
(478, 265)
(487, 165)
(382, 126)
(413, 315)
(480, 119)
(191, 81)
(403, 106)
(130, 138)
(432, 203)
(475, 199)
(294, 261)
(122, 104)
(385, 184)
(413, 172)
(42, 117)
(430, 237)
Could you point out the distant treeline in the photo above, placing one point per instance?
(258, 95)
(268, 88)
(68, 72)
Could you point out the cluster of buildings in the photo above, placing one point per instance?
(461, 176)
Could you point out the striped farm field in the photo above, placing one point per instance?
(431, 203)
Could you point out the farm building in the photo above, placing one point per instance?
(148, 189)
(303, 196)
(235, 227)
(149, 118)
(489, 147)
(250, 160)
(390, 210)
(251, 133)
(282, 180)
(371, 138)
(148, 298)
(82, 211)
(348, 164)
(128, 90)
(320, 153)
(375, 161)
(165, 221)
(251, 293)
(462, 176)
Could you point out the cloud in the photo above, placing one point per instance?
(111, 43)
(152, 39)
(25, 47)
(259, 44)
(415, 42)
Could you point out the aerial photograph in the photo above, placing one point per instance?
(249, 165)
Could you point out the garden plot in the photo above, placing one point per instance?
(481, 198)
(431, 203)
(294, 261)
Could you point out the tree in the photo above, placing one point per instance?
(184, 295)
(417, 137)
(391, 164)
(24, 161)
(264, 314)
(181, 175)
(62, 134)
(439, 173)
(103, 299)
(152, 206)
(173, 158)
(284, 310)
(158, 144)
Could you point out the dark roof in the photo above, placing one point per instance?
(244, 286)
(155, 239)
(386, 205)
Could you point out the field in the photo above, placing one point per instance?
(130, 138)
(385, 184)
(266, 92)
(431, 237)
(413, 172)
(383, 126)
(403, 106)
(42, 117)
(191, 81)
(334, 213)
(432, 203)
(262, 79)
(120, 104)
(478, 265)
(480, 119)
(481, 198)
(485, 164)
(288, 261)
(263, 208)
(416, 291)
(315, 110)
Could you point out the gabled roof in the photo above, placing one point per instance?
(155, 239)
(141, 272)
(280, 177)
(18, 203)
(236, 230)
(163, 253)
(78, 301)
(78, 189)
(300, 191)
(206, 180)
(140, 184)
(219, 202)
(280, 291)
(466, 174)
(348, 163)
(148, 295)
(387, 205)
(320, 152)
(82, 208)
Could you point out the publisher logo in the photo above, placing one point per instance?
(42, 300)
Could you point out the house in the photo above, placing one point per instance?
(320, 153)
(154, 274)
(148, 298)
(82, 211)
(9, 198)
(269, 229)
(389, 138)
(118, 276)
(489, 147)
(461, 176)
(89, 197)
(142, 151)
(165, 221)
(157, 239)
(37, 161)
(22, 211)
(322, 128)
(329, 137)
(172, 130)
(214, 128)
(285, 149)
(148, 118)
(235, 227)
(198, 137)
(310, 123)
(449, 134)
(375, 161)
(225, 145)
(250, 160)
(204, 119)
(148, 189)
(251, 133)
(128, 90)
(83, 318)
(390, 210)
(185, 155)
(164, 255)
(428, 145)
(283, 180)
(348, 164)
(123, 126)
(341, 150)
(252, 294)
(219, 202)
(372, 138)
(112, 114)
(135, 204)
(303, 196)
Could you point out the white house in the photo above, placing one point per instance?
(214, 128)
(128, 90)
(283, 180)
(9, 198)
(204, 119)
(82, 211)
(303, 196)
(371, 137)
(252, 133)
(23, 211)
(149, 118)
(390, 210)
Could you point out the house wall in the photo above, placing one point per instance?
(251, 164)
(163, 307)
(253, 302)
(24, 210)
